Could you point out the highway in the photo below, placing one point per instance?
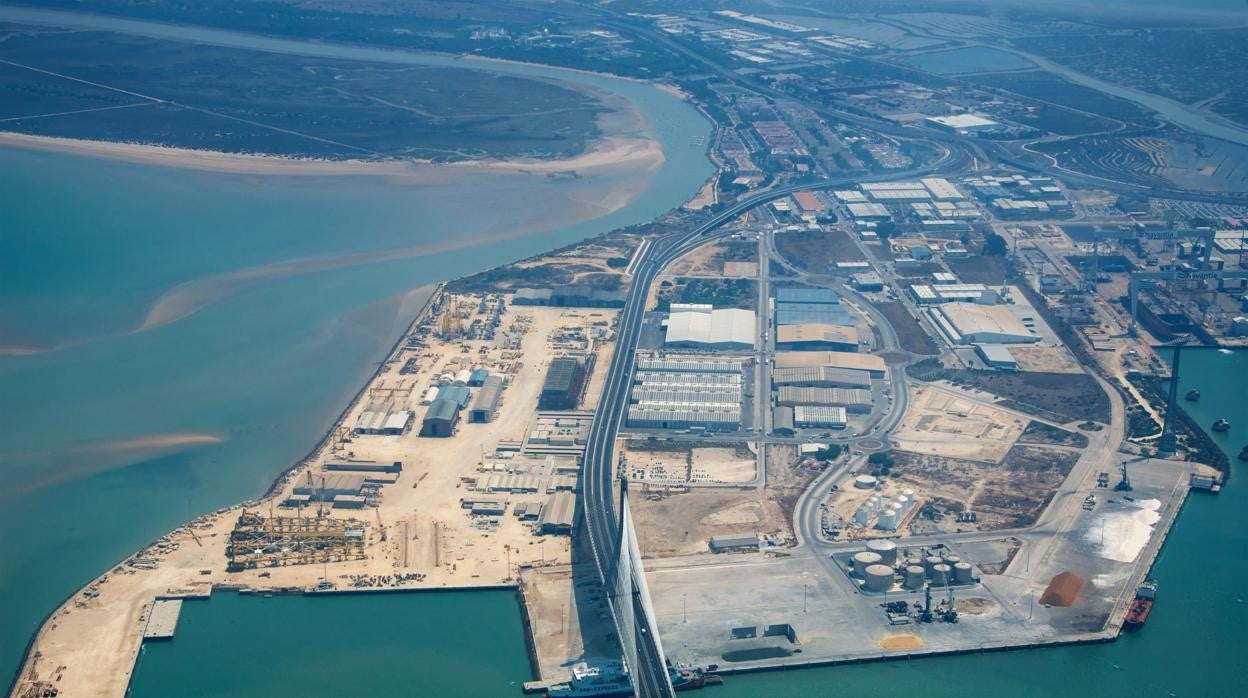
(597, 476)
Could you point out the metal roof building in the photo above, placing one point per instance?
(819, 416)
(721, 544)
(673, 380)
(821, 377)
(676, 417)
(817, 336)
(810, 313)
(459, 394)
(728, 328)
(971, 323)
(872, 364)
(997, 356)
(818, 296)
(486, 404)
(565, 379)
(440, 418)
(558, 514)
(689, 365)
(852, 399)
(782, 420)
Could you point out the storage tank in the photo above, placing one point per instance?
(908, 494)
(865, 482)
(445, 378)
(886, 549)
(430, 395)
(913, 561)
(904, 502)
(913, 576)
(463, 376)
(873, 504)
(887, 520)
(950, 559)
(864, 560)
(940, 575)
(878, 578)
(862, 516)
(931, 561)
(963, 573)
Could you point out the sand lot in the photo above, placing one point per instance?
(946, 423)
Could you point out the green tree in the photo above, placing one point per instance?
(994, 245)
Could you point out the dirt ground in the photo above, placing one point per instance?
(910, 334)
(943, 422)
(680, 464)
(1045, 359)
(1008, 494)
(1061, 397)
(672, 522)
(710, 260)
(815, 250)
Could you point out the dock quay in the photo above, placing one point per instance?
(163, 619)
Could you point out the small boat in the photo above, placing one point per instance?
(586, 681)
(1192, 395)
(1140, 607)
(1243, 453)
(1221, 425)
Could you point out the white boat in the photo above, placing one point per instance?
(586, 681)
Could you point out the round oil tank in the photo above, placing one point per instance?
(931, 561)
(862, 516)
(864, 560)
(963, 573)
(878, 578)
(913, 576)
(886, 549)
(908, 493)
(940, 574)
(913, 561)
(887, 520)
(950, 559)
(865, 482)
(903, 501)
(874, 503)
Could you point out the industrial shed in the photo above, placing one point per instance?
(565, 379)
(726, 544)
(817, 336)
(997, 356)
(726, 329)
(486, 404)
(559, 514)
(852, 399)
(822, 377)
(440, 418)
(873, 365)
(970, 323)
(819, 416)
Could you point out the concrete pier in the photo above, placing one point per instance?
(163, 620)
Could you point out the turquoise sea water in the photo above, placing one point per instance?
(421, 644)
(87, 245)
(1191, 646)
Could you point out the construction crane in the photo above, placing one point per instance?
(1166, 443)
(1124, 484)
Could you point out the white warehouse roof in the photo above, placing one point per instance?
(727, 328)
(971, 323)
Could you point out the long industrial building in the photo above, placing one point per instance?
(486, 404)
(872, 364)
(805, 416)
(803, 306)
(667, 396)
(689, 365)
(703, 327)
(565, 380)
(970, 323)
(853, 400)
(821, 377)
(817, 337)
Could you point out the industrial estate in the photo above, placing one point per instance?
(886, 390)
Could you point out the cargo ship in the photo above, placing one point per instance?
(1221, 425)
(1140, 607)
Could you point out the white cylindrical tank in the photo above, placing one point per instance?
(865, 482)
(914, 561)
(874, 504)
(963, 573)
(864, 560)
(951, 559)
(862, 516)
(887, 520)
(903, 501)
(886, 549)
(878, 578)
(913, 576)
(908, 493)
(931, 561)
(940, 574)
(446, 378)
(462, 377)
(430, 395)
